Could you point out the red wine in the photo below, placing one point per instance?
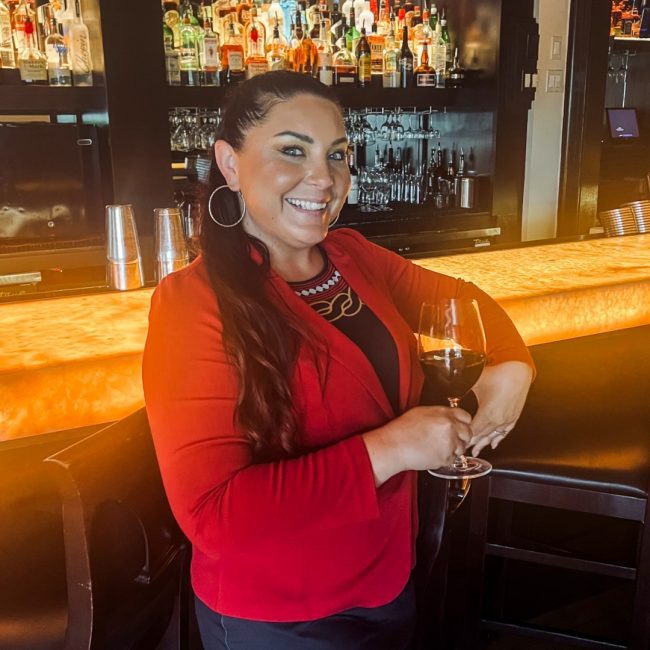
(452, 372)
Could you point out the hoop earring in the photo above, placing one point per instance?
(226, 225)
(336, 218)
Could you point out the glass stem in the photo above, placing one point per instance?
(460, 462)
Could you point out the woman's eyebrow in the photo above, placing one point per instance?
(299, 136)
(306, 138)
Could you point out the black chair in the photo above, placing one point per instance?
(568, 497)
(124, 553)
(33, 598)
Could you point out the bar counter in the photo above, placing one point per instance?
(75, 361)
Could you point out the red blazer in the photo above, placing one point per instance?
(308, 537)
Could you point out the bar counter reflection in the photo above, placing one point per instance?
(75, 361)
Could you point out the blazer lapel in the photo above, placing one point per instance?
(375, 297)
(340, 347)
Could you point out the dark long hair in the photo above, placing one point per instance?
(260, 336)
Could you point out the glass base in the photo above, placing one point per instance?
(470, 468)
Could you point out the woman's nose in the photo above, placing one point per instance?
(320, 174)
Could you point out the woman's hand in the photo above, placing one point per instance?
(501, 393)
(425, 437)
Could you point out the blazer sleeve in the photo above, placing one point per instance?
(410, 285)
(219, 497)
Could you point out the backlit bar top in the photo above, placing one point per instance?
(75, 361)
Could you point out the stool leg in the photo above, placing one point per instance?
(640, 633)
(479, 503)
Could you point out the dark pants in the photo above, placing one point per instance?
(389, 627)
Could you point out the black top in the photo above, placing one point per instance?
(333, 298)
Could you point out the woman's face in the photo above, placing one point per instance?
(292, 172)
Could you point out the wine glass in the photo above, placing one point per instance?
(451, 346)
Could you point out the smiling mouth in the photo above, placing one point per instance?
(309, 206)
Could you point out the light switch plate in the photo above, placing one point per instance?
(556, 48)
(554, 81)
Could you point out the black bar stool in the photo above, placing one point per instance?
(580, 453)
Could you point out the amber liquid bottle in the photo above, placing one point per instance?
(364, 60)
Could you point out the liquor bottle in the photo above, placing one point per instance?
(383, 22)
(345, 67)
(289, 9)
(353, 195)
(209, 55)
(352, 35)
(326, 15)
(189, 50)
(449, 182)
(255, 46)
(408, 7)
(7, 55)
(296, 52)
(346, 10)
(243, 13)
(276, 50)
(309, 56)
(312, 15)
(172, 22)
(399, 23)
(445, 40)
(364, 60)
(425, 75)
(21, 13)
(339, 43)
(232, 57)
(314, 32)
(457, 72)
(80, 59)
(324, 61)
(366, 17)
(32, 63)
(275, 16)
(56, 53)
(390, 72)
(422, 33)
(336, 22)
(358, 6)
(173, 67)
(433, 17)
(460, 174)
(377, 44)
(405, 61)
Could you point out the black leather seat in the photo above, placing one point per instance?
(33, 598)
(124, 553)
(582, 445)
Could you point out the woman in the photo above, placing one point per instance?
(281, 379)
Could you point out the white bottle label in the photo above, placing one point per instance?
(235, 61)
(80, 50)
(210, 53)
(173, 66)
(33, 70)
(326, 76)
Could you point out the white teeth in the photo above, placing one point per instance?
(307, 205)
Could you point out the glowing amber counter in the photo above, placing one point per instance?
(75, 361)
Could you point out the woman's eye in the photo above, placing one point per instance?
(292, 151)
(338, 155)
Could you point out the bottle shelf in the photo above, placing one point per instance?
(622, 43)
(16, 98)
(475, 98)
